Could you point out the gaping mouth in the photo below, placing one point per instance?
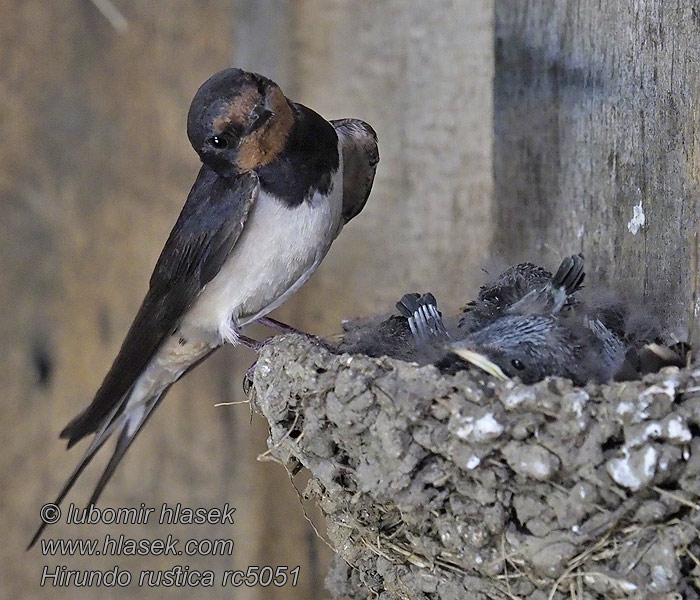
(479, 360)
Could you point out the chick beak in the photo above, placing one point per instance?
(663, 352)
(479, 360)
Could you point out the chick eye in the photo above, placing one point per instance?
(218, 142)
(517, 364)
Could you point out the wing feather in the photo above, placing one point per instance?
(203, 237)
(360, 157)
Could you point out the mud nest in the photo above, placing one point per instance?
(460, 487)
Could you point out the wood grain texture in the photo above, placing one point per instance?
(595, 114)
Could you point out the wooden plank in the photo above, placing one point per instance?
(421, 75)
(94, 167)
(596, 121)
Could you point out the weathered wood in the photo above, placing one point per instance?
(596, 121)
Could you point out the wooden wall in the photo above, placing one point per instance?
(596, 120)
(94, 167)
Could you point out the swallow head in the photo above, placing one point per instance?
(239, 121)
(524, 346)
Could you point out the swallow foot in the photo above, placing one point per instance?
(284, 328)
(248, 378)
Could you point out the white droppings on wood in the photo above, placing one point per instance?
(638, 219)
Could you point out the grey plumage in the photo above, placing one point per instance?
(631, 335)
(379, 336)
(514, 324)
(530, 347)
(424, 319)
(420, 335)
(529, 339)
(524, 288)
(528, 324)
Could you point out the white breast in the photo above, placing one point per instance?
(279, 249)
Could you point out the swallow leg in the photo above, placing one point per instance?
(279, 326)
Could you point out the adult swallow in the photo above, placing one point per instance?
(277, 184)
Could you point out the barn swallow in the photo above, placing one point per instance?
(525, 289)
(424, 318)
(430, 335)
(528, 346)
(583, 344)
(420, 335)
(521, 286)
(597, 342)
(631, 339)
(376, 336)
(277, 184)
(514, 328)
(528, 340)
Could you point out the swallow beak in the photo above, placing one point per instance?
(267, 108)
(262, 114)
(479, 360)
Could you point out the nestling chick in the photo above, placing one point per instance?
(522, 288)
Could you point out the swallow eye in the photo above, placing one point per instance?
(517, 364)
(218, 142)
